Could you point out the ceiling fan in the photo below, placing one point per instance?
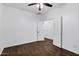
(40, 5)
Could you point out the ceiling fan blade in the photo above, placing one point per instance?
(32, 4)
(47, 4)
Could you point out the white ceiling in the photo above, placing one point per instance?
(33, 9)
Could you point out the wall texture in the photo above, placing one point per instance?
(17, 26)
(1, 40)
(70, 14)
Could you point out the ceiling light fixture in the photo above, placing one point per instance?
(40, 5)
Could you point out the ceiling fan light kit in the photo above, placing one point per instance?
(40, 5)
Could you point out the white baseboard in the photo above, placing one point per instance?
(1, 49)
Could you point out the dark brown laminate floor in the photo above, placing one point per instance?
(38, 48)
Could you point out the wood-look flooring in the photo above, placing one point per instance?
(38, 48)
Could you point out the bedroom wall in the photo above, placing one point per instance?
(70, 14)
(1, 40)
(18, 27)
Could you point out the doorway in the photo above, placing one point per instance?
(50, 29)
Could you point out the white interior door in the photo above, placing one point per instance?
(40, 31)
(48, 29)
(45, 29)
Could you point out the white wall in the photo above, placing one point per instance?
(1, 40)
(17, 26)
(70, 14)
(71, 27)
